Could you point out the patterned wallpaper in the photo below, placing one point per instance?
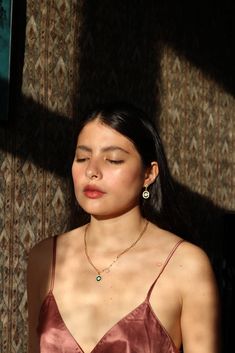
(198, 126)
(34, 198)
(77, 53)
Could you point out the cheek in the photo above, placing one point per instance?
(128, 178)
(75, 174)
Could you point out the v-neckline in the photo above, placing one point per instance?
(145, 302)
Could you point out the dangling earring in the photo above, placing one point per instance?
(145, 193)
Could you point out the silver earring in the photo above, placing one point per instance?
(145, 193)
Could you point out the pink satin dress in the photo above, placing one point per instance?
(139, 331)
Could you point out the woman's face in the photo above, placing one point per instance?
(107, 171)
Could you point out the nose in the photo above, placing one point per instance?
(93, 171)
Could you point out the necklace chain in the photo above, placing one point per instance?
(107, 269)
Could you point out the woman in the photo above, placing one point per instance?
(123, 282)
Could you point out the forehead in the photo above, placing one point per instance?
(98, 134)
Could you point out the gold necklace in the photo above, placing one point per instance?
(107, 269)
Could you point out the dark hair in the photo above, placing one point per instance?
(133, 123)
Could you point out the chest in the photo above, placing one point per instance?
(90, 308)
(139, 331)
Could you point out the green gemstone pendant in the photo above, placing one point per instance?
(98, 278)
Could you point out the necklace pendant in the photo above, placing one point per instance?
(98, 278)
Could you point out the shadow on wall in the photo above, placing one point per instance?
(43, 137)
(120, 49)
(119, 55)
(204, 32)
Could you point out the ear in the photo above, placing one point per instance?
(151, 174)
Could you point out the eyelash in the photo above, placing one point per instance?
(80, 160)
(120, 161)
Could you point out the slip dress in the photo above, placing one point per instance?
(140, 331)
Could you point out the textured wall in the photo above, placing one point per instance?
(34, 198)
(86, 52)
(198, 128)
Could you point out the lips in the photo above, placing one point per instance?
(93, 192)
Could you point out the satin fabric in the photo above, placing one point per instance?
(140, 331)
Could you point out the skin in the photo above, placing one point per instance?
(185, 298)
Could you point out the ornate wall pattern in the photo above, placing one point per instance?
(196, 122)
(34, 201)
(197, 125)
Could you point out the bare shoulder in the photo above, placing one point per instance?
(190, 256)
(40, 255)
(194, 259)
(40, 248)
(194, 269)
(190, 262)
(200, 299)
(38, 268)
(45, 246)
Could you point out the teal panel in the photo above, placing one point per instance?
(5, 55)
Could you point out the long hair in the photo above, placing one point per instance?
(130, 121)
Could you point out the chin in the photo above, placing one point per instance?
(101, 210)
(100, 215)
(108, 215)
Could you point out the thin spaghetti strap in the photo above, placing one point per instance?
(164, 266)
(53, 264)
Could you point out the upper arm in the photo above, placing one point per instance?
(33, 305)
(200, 306)
(37, 280)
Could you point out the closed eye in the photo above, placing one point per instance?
(115, 161)
(80, 160)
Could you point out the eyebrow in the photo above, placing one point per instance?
(104, 149)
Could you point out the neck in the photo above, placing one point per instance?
(113, 239)
(117, 232)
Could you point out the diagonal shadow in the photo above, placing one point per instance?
(121, 46)
(33, 133)
(204, 32)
